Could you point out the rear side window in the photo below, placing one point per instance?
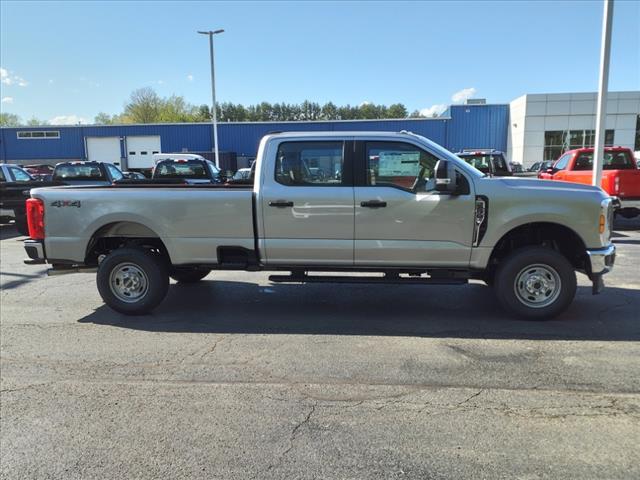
(182, 169)
(78, 172)
(310, 163)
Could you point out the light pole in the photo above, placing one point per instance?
(213, 94)
(603, 86)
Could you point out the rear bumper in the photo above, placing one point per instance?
(35, 252)
(602, 259)
(631, 203)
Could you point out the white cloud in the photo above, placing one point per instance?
(51, 81)
(67, 120)
(365, 103)
(462, 95)
(7, 99)
(160, 82)
(433, 110)
(190, 77)
(8, 78)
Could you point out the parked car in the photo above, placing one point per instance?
(15, 184)
(620, 175)
(42, 171)
(450, 224)
(191, 170)
(87, 173)
(489, 162)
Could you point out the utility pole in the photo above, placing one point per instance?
(601, 112)
(214, 110)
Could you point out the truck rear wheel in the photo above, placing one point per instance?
(536, 283)
(132, 281)
(188, 276)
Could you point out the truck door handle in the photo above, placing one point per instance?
(281, 203)
(373, 204)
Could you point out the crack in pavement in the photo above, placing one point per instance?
(293, 437)
(471, 397)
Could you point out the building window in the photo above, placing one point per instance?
(556, 142)
(38, 134)
(637, 143)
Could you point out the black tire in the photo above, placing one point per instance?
(535, 283)
(21, 224)
(141, 267)
(188, 276)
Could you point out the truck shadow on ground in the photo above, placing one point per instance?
(377, 310)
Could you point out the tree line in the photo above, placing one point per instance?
(146, 106)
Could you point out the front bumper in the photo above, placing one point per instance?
(601, 260)
(35, 251)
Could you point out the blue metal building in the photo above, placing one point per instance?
(464, 126)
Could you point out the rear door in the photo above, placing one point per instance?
(307, 204)
(400, 220)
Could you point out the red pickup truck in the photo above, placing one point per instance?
(620, 175)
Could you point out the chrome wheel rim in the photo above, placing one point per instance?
(128, 282)
(537, 286)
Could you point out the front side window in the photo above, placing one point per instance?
(20, 175)
(310, 163)
(562, 163)
(400, 165)
(115, 173)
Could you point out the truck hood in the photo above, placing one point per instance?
(545, 185)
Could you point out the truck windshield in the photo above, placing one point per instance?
(620, 160)
(182, 169)
(77, 172)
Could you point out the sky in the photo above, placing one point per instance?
(64, 62)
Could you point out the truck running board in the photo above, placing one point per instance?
(387, 278)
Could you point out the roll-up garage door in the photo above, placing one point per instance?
(140, 150)
(103, 149)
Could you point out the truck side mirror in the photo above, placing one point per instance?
(446, 177)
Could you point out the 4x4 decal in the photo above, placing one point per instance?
(66, 203)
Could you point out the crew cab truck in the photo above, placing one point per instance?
(620, 175)
(391, 207)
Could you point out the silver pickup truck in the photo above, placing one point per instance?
(334, 207)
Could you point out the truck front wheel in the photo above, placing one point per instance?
(132, 281)
(536, 283)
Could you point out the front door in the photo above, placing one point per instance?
(308, 210)
(400, 219)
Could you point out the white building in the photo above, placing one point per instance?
(543, 126)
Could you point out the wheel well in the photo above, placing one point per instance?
(551, 235)
(123, 234)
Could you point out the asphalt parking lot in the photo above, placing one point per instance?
(238, 378)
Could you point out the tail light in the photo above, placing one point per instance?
(616, 185)
(35, 218)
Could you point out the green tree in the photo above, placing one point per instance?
(103, 119)
(144, 106)
(397, 110)
(9, 120)
(329, 111)
(34, 122)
